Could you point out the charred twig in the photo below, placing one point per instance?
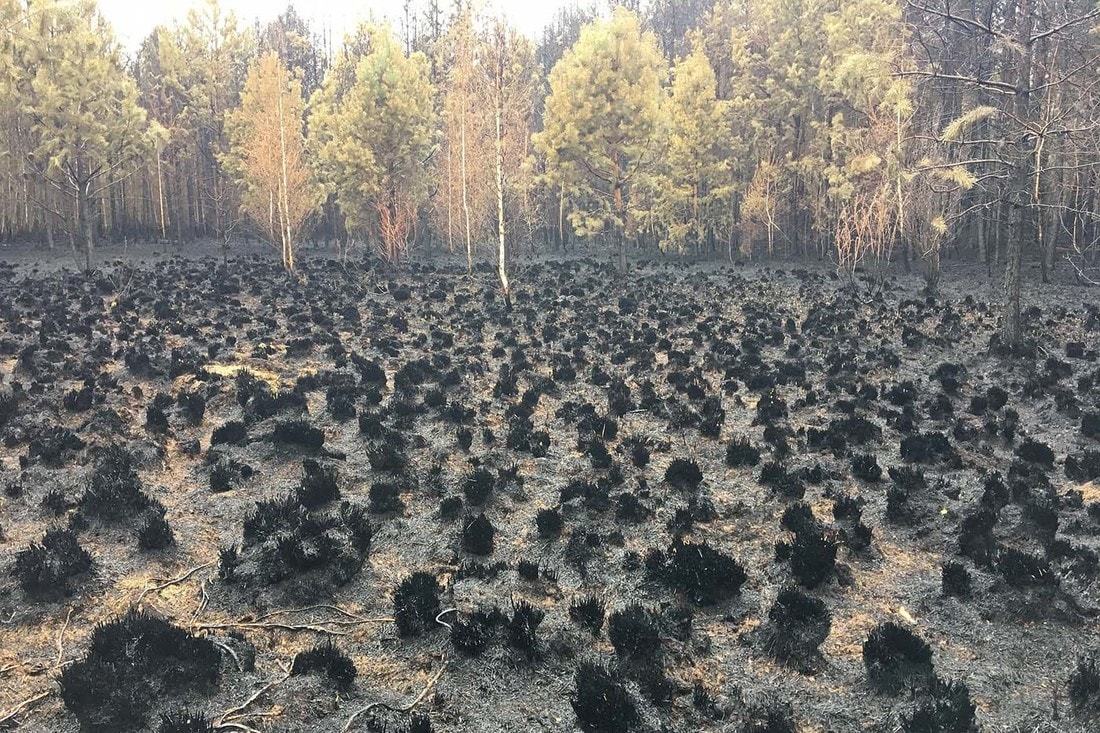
(439, 617)
(227, 720)
(169, 583)
(228, 650)
(8, 719)
(272, 626)
(61, 638)
(402, 709)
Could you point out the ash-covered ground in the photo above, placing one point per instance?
(683, 498)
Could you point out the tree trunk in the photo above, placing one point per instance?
(85, 225)
(502, 251)
(1011, 327)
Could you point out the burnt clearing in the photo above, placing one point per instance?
(686, 498)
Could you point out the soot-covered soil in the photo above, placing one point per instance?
(729, 499)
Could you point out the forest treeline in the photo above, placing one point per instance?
(865, 131)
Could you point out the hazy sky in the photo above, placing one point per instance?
(133, 19)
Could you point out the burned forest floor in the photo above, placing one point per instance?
(687, 498)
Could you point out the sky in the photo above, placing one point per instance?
(134, 19)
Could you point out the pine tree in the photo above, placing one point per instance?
(266, 155)
(602, 125)
(374, 139)
(77, 108)
(693, 186)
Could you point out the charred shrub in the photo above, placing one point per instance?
(634, 633)
(478, 486)
(771, 408)
(1034, 451)
(385, 498)
(1084, 467)
(528, 570)
(155, 534)
(704, 574)
(1090, 425)
(325, 659)
(588, 613)
(182, 720)
(472, 634)
(1084, 686)
(319, 485)
(477, 535)
(770, 717)
(523, 626)
(233, 432)
(45, 568)
(683, 474)
(945, 707)
(300, 434)
(388, 458)
(1023, 570)
(416, 604)
(896, 658)
(740, 452)
(976, 535)
(131, 663)
(797, 625)
(865, 466)
(785, 483)
(284, 541)
(450, 507)
(601, 702)
(932, 447)
(956, 579)
(114, 490)
(811, 553)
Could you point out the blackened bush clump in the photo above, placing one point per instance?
(1084, 467)
(1090, 425)
(471, 634)
(233, 432)
(865, 466)
(155, 533)
(114, 490)
(132, 662)
(588, 613)
(812, 553)
(740, 452)
(771, 717)
(477, 486)
(523, 626)
(299, 433)
(319, 485)
(1034, 451)
(385, 498)
(416, 604)
(327, 660)
(896, 658)
(770, 409)
(182, 720)
(956, 579)
(1084, 686)
(797, 625)
(548, 522)
(633, 632)
(787, 484)
(477, 535)
(285, 540)
(45, 568)
(946, 707)
(930, 447)
(601, 702)
(704, 574)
